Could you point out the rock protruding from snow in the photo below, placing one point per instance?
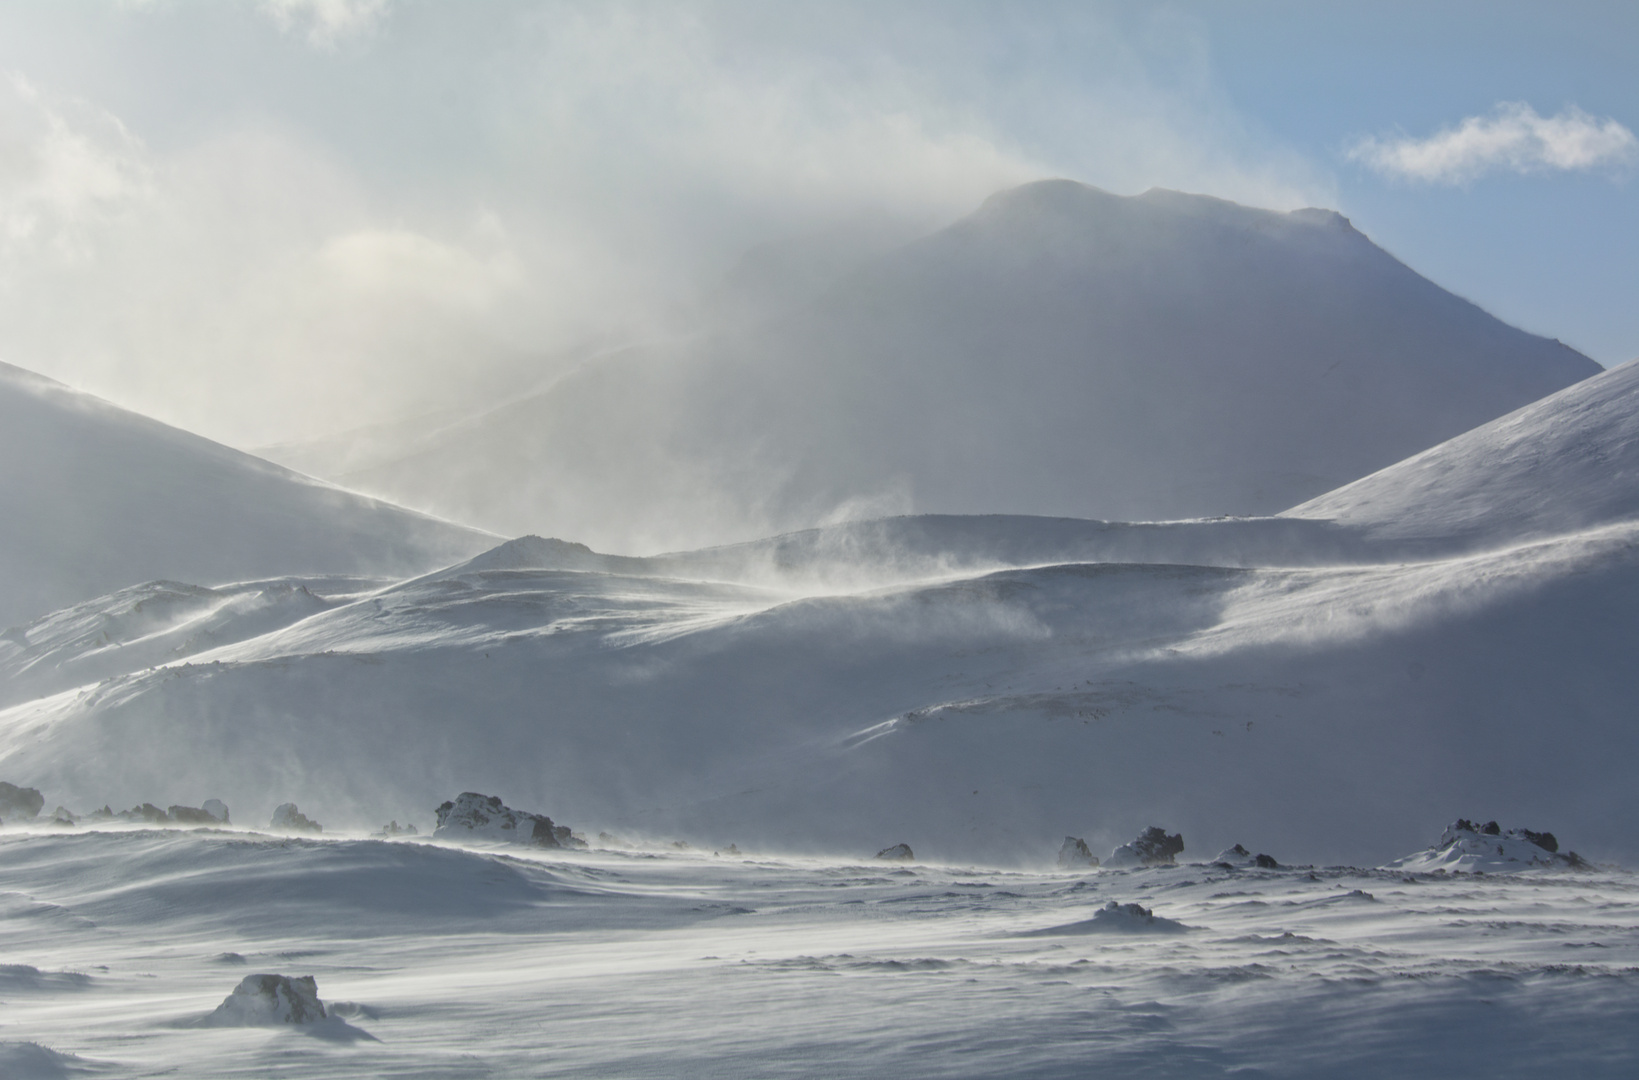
(1469, 846)
(471, 816)
(191, 815)
(19, 803)
(1238, 856)
(1153, 847)
(1114, 918)
(268, 1001)
(393, 828)
(1075, 855)
(217, 809)
(897, 853)
(289, 819)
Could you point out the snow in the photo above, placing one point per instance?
(1567, 463)
(543, 964)
(1061, 351)
(1475, 848)
(744, 726)
(97, 498)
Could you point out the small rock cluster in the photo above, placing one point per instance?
(269, 1001)
(286, 818)
(897, 853)
(472, 816)
(1152, 847)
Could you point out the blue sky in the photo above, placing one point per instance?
(274, 218)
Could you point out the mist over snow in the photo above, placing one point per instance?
(778, 540)
(1061, 351)
(97, 498)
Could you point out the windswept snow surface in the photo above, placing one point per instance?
(95, 498)
(440, 962)
(1061, 351)
(1567, 462)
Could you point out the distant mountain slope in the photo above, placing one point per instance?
(1559, 465)
(95, 498)
(1062, 351)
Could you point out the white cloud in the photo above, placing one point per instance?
(326, 22)
(1513, 137)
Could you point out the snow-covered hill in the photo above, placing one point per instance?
(1567, 462)
(1062, 351)
(975, 687)
(94, 498)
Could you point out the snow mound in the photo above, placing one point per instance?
(1238, 856)
(19, 803)
(1075, 855)
(268, 1001)
(1114, 918)
(31, 1061)
(1475, 848)
(897, 853)
(286, 818)
(471, 816)
(1153, 847)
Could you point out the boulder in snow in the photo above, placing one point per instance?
(19, 803)
(1153, 847)
(268, 1001)
(147, 814)
(289, 819)
(1075, 855)
(1238, 856)
(471, 816)
(217, 809)
(393, 828)
(1473, 847)
(191, 815)
(897, 853)
(63, 817)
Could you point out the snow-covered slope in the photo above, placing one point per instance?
(95, 498)
(1567, 462)
(980, 716)
(1062, 351)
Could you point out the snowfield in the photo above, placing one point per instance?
(433, 961)
(807, 796)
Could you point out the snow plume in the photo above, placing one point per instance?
(326, 22)
(1513, 137)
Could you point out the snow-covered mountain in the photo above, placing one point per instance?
(1062, 351)
(94, 498)
(977, 688)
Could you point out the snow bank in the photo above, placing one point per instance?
(1472, 847)
(471, 816)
